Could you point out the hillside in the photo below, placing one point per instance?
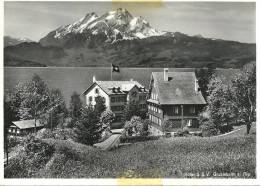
(10, 41)
(179, 51)
(120, 38)
(164, 158)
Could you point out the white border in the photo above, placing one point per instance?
(209, 181)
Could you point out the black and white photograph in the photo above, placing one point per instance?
(129, 90)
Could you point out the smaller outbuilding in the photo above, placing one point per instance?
(24, 127)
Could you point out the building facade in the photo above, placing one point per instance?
(174, 97)
(116, 95)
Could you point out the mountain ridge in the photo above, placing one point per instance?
(120, 38)
(10, 41)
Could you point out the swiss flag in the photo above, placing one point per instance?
(115, 68)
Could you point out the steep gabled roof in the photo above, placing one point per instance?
(107, 86)
(179, 89)
(25, 124)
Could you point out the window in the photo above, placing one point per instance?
(9, 130)
(134, 94)
(112, 99)
(122, 99)
(176, 110)
(97, 91)
(90, 98)
(117, 108)
(192, 110)
(102, 98)
(160, 122)
(118, 118)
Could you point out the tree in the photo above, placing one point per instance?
(204, 75)
(244, 94)
(75, 105)
(13, 98)
(33, 100)
(100, 105)
(33, 94)
(55, 109)
(8, 117)
(107, 117)
(219, 102)
(88, 128)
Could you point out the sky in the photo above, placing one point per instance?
(222, 20)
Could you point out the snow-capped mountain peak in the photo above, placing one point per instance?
(10, 41)
(112, 24)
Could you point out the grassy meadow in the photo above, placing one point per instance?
(232, 155)
(70, 79)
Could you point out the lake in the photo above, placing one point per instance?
(70, 79)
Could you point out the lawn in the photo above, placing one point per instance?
(224, 156)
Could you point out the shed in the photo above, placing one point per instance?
(23, 127)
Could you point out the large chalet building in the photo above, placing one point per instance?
(116, 94)
(174, 96)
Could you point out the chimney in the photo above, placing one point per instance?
(94, 79)
(165, 74)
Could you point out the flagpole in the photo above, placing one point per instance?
(111, 71)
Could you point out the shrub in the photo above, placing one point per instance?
(61, 134)
(168, 124)
(136, 126)
(225, 128)
(106, 118)
(208, 128)
(44, 134)
(186, 130)
(33, 157)
(13, 141)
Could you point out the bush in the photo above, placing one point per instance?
(33, 157)
(61, 134)
(186, 130)
(13, 141)
(136, 126)
(107, 117)
(225, 128)
(208, 128)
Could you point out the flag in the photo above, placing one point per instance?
(115, 68)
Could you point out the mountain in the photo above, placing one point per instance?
(118, 37)
(112, 26)
(10, 41)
